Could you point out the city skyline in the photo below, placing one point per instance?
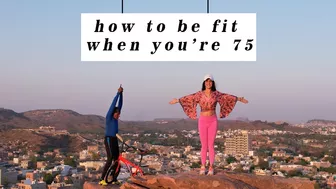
(292, 80)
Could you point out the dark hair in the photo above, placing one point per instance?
(213, 88)
(116, 110)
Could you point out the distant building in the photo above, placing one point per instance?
(41, 164)
(26, 164)
(279, 153)
(83, 155)
(29, 184)
(92, 164)
(332, 181)
(290, 167)
(60, 186)
(262, 172)
(47, 129)
(239, 144)
(7, 177)
(16, 160)
(33, 176)
(324, 164)
(93, 148)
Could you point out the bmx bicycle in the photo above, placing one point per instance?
(133, 168)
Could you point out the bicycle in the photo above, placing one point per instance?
(134, 169)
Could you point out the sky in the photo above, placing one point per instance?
(292, 80)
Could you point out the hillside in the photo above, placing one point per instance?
(10, 119)
(66, 119)
(188, 124)
(319, 122)
(75, 122)
(36, 141)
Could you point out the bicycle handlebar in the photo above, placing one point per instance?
(137, 149)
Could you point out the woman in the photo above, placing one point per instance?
(111, 140)
(207, 98)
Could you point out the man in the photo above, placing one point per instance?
(111, 140)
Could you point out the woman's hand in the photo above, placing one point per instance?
(174, 101)
(243, 100)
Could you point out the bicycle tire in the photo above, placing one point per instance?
(137, 173)
(113, 172)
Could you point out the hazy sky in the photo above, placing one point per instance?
(294, 78)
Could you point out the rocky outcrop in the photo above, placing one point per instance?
(190, 180)
(95, 185)
(269, 182)
(221, 180)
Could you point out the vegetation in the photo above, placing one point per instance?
(294, 173)
(70, 161)
(262, 164)
(331, 170)
(303, 162)
(231, 159)
(48, 178)
(95, 156)
(195, 165)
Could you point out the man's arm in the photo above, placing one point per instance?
(114, 102)
(120, 103)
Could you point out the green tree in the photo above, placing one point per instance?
(303, 162)
(294, 173)
(331, 170)
(95, 156)
(153, 151)
(330, 159)
(279, 158)
(287, 160)
(252, 168)
(263, 164)
(231, 159)
(195, 165)
(48, 178)
(5, 183)
(69, 181)
(70, 161)
(33, 161)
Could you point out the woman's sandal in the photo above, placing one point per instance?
(211, 171)
(202, 171)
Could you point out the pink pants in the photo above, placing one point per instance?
(207, 127)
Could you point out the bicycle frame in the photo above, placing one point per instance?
(129, 166)
(128, 163)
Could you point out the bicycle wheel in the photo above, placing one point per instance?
(113, 172)
(137, 172)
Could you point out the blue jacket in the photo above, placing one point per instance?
(111, 127)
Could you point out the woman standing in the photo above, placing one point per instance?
(207, 98)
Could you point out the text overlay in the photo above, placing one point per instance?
(168, 37)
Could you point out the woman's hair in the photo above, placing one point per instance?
(213, 88)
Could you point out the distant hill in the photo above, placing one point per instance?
(321, 121)
(10, 119)
(66, 119)
(36, 141)
(75, 122)
(243, 119)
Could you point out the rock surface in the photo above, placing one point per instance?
(273, 182)
(95, 185)
(221, 180)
